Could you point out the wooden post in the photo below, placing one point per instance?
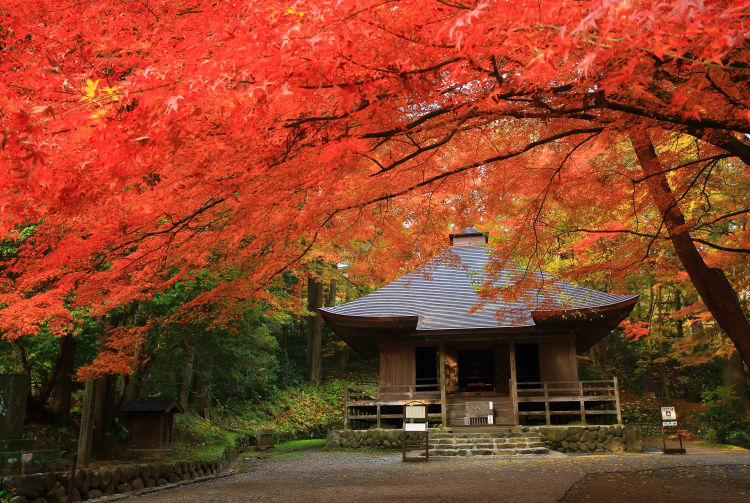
(441, 368)
(546, 403)
(617, 400)
(86, 435)
(377, 414)
(583, 406)
(346, 408)
(513, 382)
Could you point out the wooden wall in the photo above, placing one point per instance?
(397, 365)
(557, 361)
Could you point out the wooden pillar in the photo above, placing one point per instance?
(346, 408)
(546, 403)
(441, 370)
(378, 416)
(583, 404)
(617, 400)
(513, 382)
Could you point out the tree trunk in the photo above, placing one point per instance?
(347, 351)
(86, 433)
(186, 380)
(64, 381)
(203, 386)
(734, 374)
(600, 355)
(712, 285)
(315, 327)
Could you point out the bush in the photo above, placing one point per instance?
(725, 417)
(637, 414)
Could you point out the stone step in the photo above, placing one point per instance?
(487, 452)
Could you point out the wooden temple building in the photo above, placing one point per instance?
(507, 362)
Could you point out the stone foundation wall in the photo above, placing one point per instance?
(95, 483)
(592, 438)
(559, 438)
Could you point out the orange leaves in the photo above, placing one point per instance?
(249, 139)
(634, 330)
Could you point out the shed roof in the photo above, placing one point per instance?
(155, 405)
(442, 297)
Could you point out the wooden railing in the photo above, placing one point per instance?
(371, 395)
(366, 399)
(581, 392)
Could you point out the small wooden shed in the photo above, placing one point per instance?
(149, 423)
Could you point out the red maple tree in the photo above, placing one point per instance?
(145, 141)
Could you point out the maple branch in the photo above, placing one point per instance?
(720, 247)
(420, 150)
(722, 217)
(684, 165)
(489, 160)
(741, 126)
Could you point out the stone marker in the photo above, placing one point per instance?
(14, 388)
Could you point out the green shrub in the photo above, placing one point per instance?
(725, 417)
(639, 415)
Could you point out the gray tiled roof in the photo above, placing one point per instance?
(443, 294)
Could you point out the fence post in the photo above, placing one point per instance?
(583, 405)
(346, 407)
(546, 404)
(617, 400)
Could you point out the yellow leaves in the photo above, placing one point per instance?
(92, 93)
(295, 10)
(89, 90)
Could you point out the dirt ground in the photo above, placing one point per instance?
(702, 475)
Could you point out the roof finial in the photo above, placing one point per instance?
(469, 237)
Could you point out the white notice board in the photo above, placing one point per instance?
(668, 414)
(415, 412)
(415, 426)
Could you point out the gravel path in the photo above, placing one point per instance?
(320, 476)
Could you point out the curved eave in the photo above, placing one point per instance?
(589, 325)
(364, 333)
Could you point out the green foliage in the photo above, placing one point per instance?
(639, 415)
(725, 417)
(200, 438)
(5, 495)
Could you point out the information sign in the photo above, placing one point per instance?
(415, 412)
(668, 414)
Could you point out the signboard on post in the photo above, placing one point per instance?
(669, 420)
(419, 414)
(668, 414)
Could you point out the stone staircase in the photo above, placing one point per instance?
(471, 443)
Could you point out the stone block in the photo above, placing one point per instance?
(93, 494)
(554, 434)
(632, 439)
(333, 439)
(137, 483)
(162, 482)
(14, 390)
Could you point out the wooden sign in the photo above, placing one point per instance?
(668, 414)
(415, 412)
(669, 419)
